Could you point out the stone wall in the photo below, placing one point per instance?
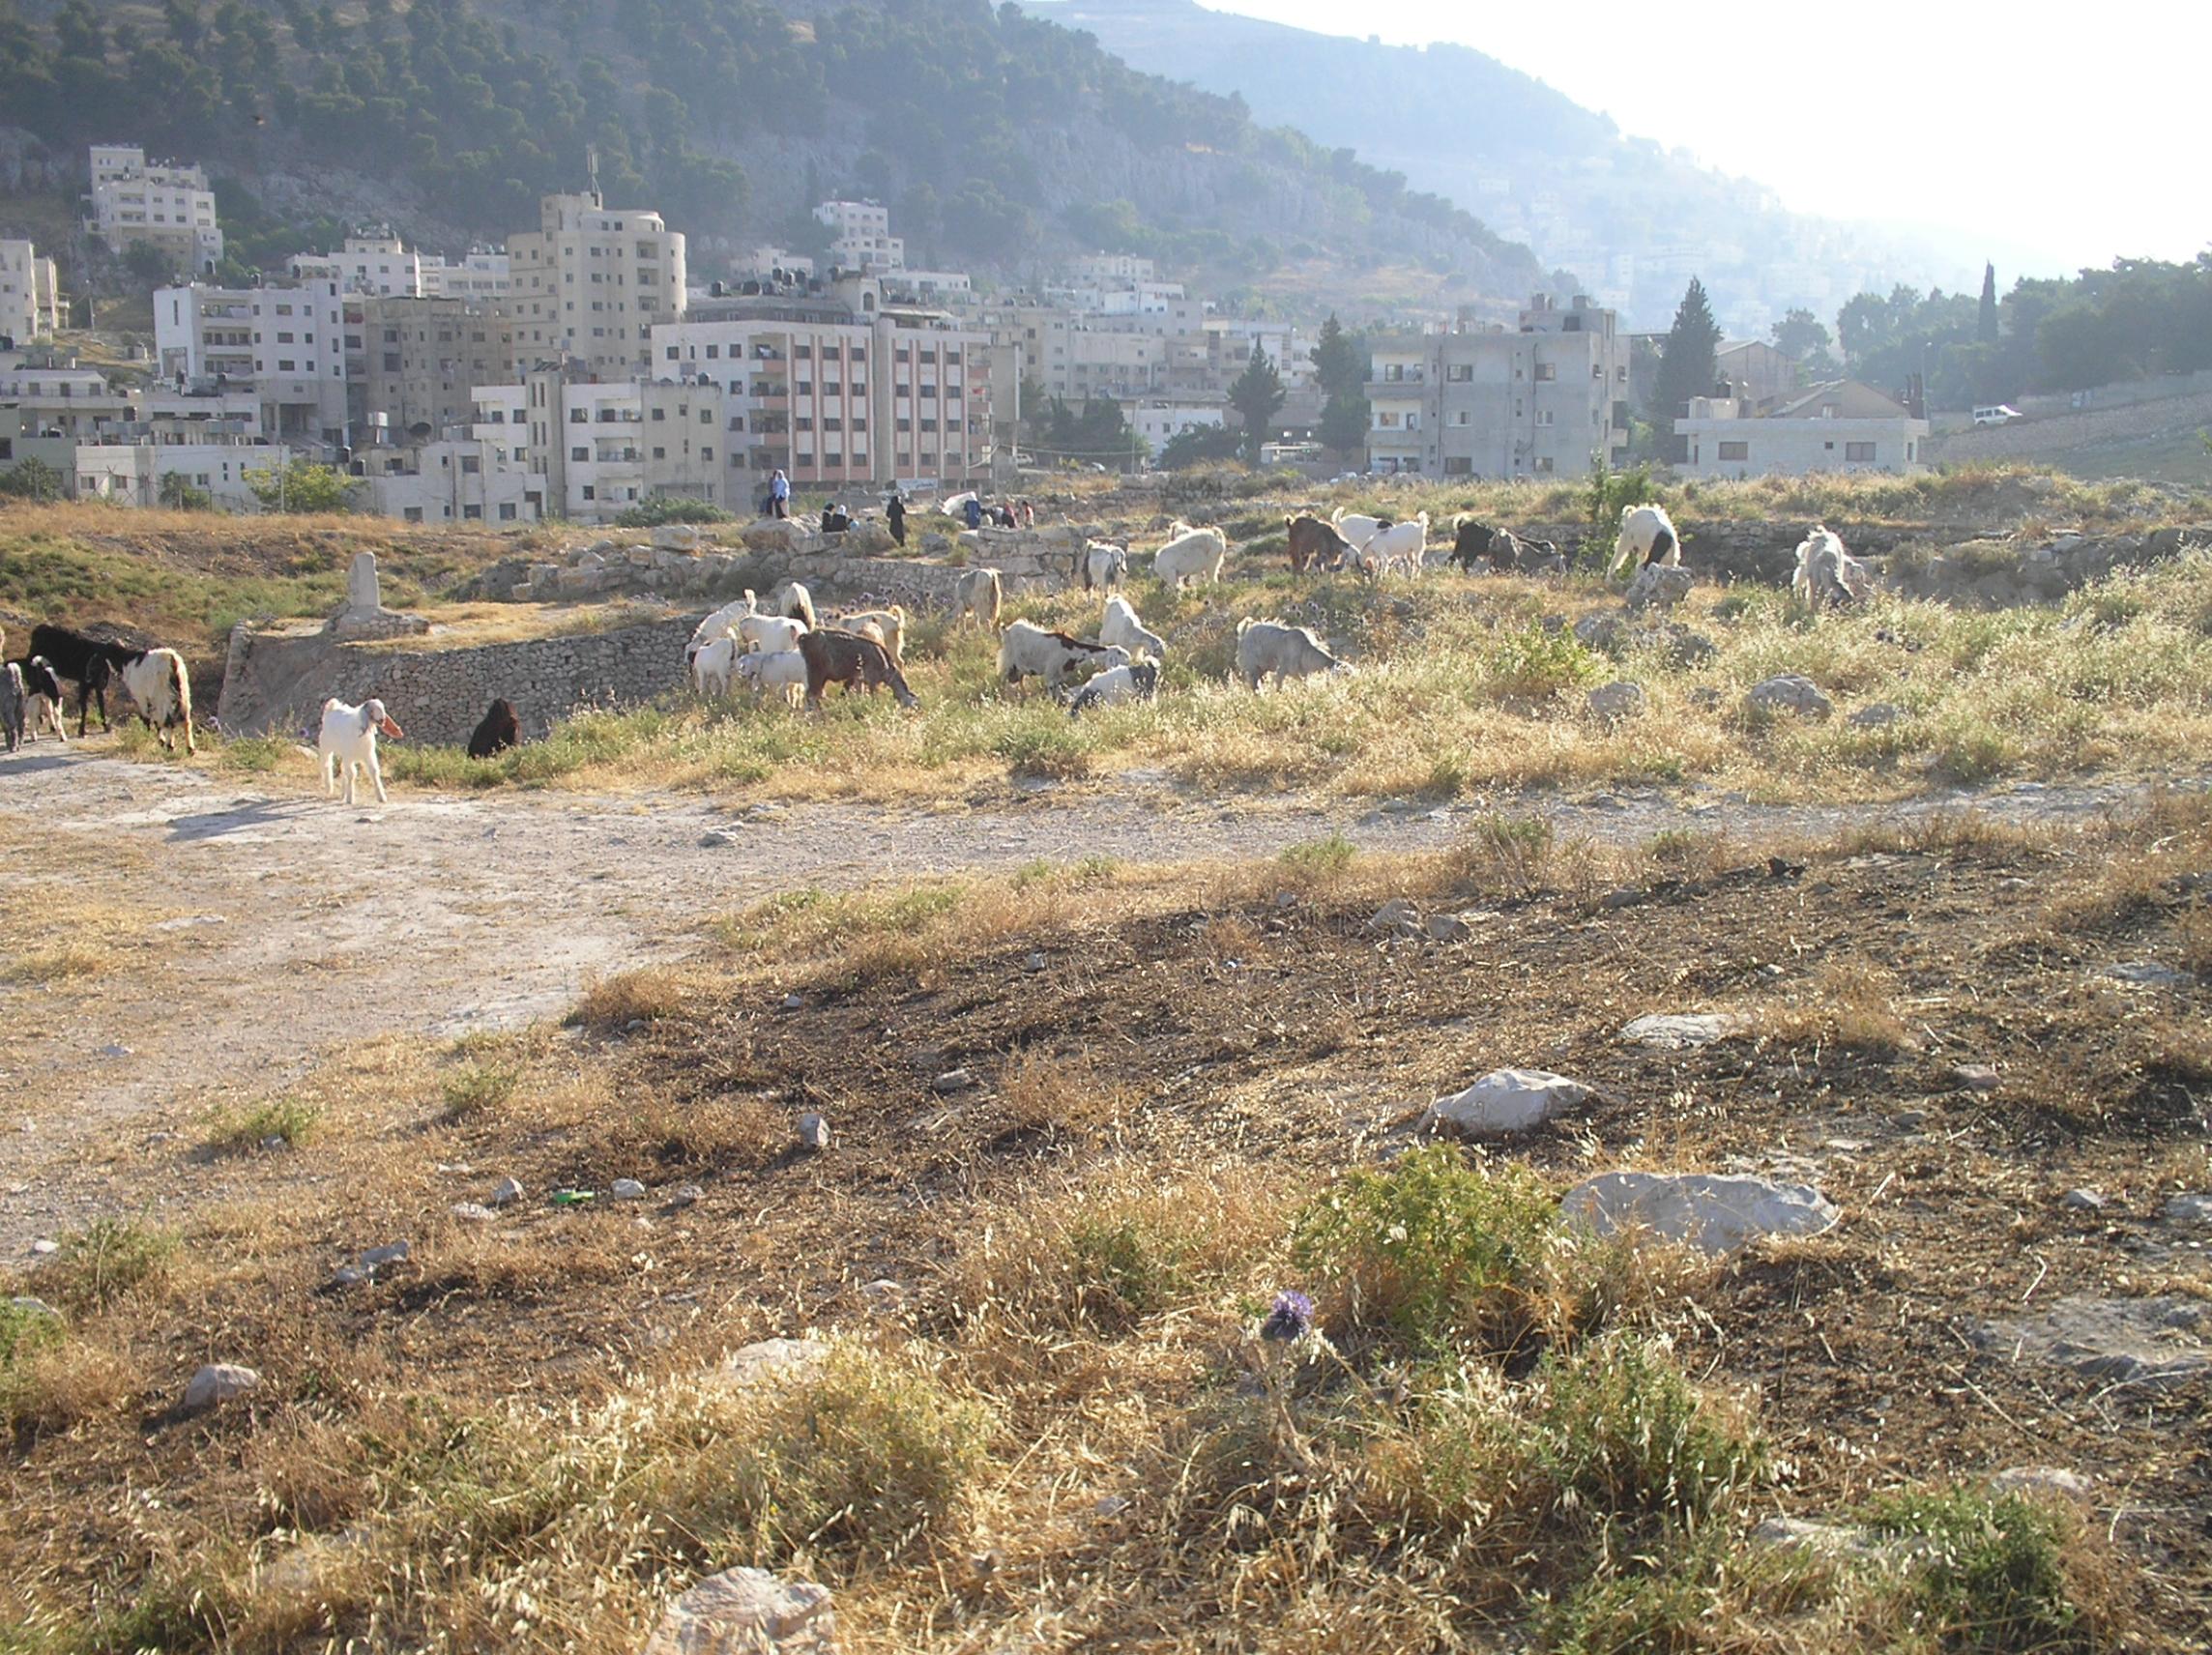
(277, 684)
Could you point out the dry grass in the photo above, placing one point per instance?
(1059, 1422)
(632, 997)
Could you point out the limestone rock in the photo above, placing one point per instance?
(813, 1132)
(1505, 1100)
(1790, 692)
(506, 1193)
(1658, 585)
(772, 535)
(1874, 715)
(747, 1612)
(628, 1189)
(2147, 974)
(1679, 1032)
(771, 1359)
(216, 1383)
(2083, 1201)
(954, 1080)
(2189, 1209)
(675, 538)
(2154, 1343)
(472, 1212)
(1714, 1213)
(1449, 928)
(1974, 1077)
(1621, 699)
(1397, 915)
(2044, 1480)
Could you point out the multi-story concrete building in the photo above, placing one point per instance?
(1159, 420)
(860, 236)
(1842, 426)
(30, 294)
(424, 359)
(454, 480)
(484, 275)
(164, 204)
(288, 343)
(1118, 268)
(1543, 400)
(590, 285)
(58, 399)
(840, 388)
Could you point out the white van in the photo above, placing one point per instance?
(1998, 415)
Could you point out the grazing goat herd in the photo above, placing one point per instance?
(783, 646)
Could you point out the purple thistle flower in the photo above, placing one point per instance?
(1291, 1319)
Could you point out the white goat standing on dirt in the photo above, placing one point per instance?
(348, 742)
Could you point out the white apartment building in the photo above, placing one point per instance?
(1543, 399)
(860, 236)
(1160, 420)
(1842, 426)
(484, 275)
(165, 204)
(591, 284)
(128, 468)
(840, 388)
(30, 293)
(286, 342)
(455, 480)
(1116, 269)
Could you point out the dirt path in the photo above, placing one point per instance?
(290, 923)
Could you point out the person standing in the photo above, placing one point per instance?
(894, 513)
(973, 512)
(779, 494)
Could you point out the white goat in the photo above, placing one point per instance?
(1105, 566)
(887, 626)
(784, 670)
(1191, 555)
(1027, 649)
(1357, 527)
(1137, 680)
(711, 667)
(348, 742)
(157, 682)
(1827, 575)
(1402, 545)
(769, 633)
(1647, 537)
(793, 600)
(719, 622)
(1120, 625)
(978, 594)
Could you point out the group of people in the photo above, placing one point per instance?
(1005, 515)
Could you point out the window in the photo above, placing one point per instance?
(659, 454)
(832, 459)
(1460, 417)
(713, 351)
(473, 513)
(579, 453)
(661, 413)
(672, 352)
(859, 424)
(707, 455)
(1546, 372)
(590, 492)
(578, 417)
(413, 514)
(804, 353)
(1861, 453)
(506, 512)
(804, 388)
(1458, 465)
(705, 415)
(390, 361)
(1543, 416)
(803, 422)
(471, 465)
(1735, 450)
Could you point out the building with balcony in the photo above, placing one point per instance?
(163, 203)
(30, 294)
(860, 236)
(286, 342)
(422, 360)
(590, 285)
(839, 389)
(1543, 399)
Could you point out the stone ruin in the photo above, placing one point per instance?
(362, 614)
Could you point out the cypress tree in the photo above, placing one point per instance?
(1686, 368)
(1988, 330)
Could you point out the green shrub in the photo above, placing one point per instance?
(235, 1132)
(669, 509)
(105, 1260)
(478, 1087)
(1444, 1254)
(1991, 1572)
(1314, 857)
(1622, 1432)
(1534, 664)
(23, 1329)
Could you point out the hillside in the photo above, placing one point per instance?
(996, 138)
(1618, 211)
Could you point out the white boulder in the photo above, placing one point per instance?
(1679, 1032)
(747, 1612)
(1505, 1100)
(216, 1383)
(1621, 699)
(1790, 692)
(1713, 1212)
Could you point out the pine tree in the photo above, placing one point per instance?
(1686, 368)
(1339, 359)
(1256, 395)
(1986, 331)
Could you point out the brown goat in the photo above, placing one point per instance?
(836, 656)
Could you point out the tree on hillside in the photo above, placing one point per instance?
(1686, 368)
(1986, 330)
(1199, 444)
(1257, 394)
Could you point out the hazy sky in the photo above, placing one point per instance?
(2066, 142)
